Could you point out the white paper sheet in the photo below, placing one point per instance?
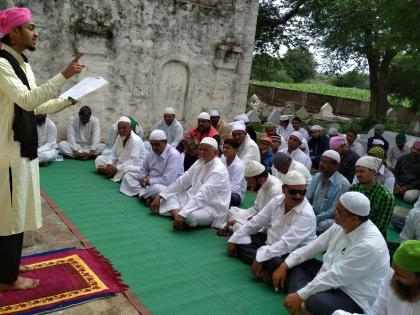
(84, 87)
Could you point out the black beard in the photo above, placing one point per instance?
(405, 293)
(31, 48)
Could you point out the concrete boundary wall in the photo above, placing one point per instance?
(313, 102)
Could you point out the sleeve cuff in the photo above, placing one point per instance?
(304, 293)
(263, 254)
(237, 239)
(290, 262)
(58, 80)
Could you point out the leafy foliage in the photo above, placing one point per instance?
(268, 68)
(299, 64)
(352, 79)
(405, 78)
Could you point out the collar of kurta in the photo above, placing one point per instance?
(298, 208)
(19, 57)
(358, 233)
(165, 151)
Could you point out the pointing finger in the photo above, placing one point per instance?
(76, 59)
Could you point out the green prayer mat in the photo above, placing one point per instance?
(171, 272)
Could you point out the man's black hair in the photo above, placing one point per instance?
(297, 118)
(234, 144)
(85, 111)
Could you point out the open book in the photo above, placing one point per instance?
(84, 87)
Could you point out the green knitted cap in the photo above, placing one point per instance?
(407, 256)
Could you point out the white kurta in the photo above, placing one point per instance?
(285, 231)
(162, 170)
(249, 150)
(387, 303)
(21, 211)
(300, 156)
(355, 262)
(357, 147)
(174, 132)
(270, 189)
(294, 166)
(236, 171)
(47, 141)
(128, 157)
(82, 138)
(205, 186)
(285, 132)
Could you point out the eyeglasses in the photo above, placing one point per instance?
(301, 192)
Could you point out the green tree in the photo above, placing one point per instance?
(367, 31)
(299, 64)
(352, 79)
(405, 78)
(363, 30)
(274, 20)
(268, 68)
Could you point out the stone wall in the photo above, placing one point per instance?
(192, 55)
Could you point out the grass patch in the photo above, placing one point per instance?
(353, 93)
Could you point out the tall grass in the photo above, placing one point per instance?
(357, 94)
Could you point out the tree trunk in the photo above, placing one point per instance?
(379, 82)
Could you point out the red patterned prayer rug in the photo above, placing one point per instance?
(69, 276)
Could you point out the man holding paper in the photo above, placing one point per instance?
(19, 170)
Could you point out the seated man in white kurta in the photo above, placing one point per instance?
(268, 187)
(293, 149)
(290, 224)
(47, 139)
(201, 196)
(128, 153)
(163, 165)
(83, 136)
(248, 150)
(172, 127)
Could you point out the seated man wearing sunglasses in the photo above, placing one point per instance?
(325, 189)
(290, 223)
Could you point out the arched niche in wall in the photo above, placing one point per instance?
(173, 87)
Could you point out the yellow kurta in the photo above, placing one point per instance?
(21, 211)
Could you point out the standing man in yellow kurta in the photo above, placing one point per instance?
(20, 202)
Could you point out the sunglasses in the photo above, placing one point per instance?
(301, 192)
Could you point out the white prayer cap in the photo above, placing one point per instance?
(214, 113)
(242, 117)
(204, 115)
(370, 162)
(316, 128)
(294, 178)
(333, 131)
(332, 154)
(210, 141)
(284, 117)
(253, 168)
(238, 126)
(378, 142)
(356, 203)
(124, 119)
(297, 134)
(169, 110)
(157, 135)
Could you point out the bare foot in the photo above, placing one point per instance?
(20, 284)
(178, 223)
(25, 268)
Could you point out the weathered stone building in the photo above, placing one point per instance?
(192, 55)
